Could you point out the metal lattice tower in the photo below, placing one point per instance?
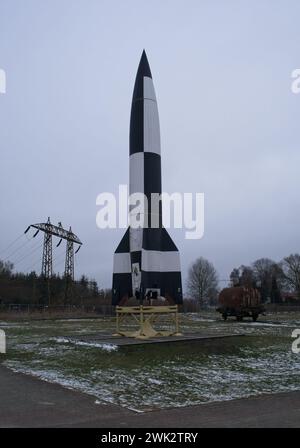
(47, 266)
(69, 265)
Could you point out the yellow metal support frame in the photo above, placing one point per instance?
(145, 317)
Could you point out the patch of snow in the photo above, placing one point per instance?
(102, 346)
(154, 381)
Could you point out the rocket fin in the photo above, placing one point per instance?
(171, 280)
(122, 283)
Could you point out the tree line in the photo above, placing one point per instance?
(20, 288)
(277, 282)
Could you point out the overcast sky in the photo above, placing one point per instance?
(229, 121)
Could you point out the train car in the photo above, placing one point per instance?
(240, 301)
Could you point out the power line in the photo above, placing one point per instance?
(31, 248)
(29, 253)
(29, 268)
(12, 243)
(16, 250)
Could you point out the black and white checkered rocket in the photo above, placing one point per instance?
(146, 261)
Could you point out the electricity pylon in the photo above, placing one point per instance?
(69, 267)
(47, 263)
(47, 268)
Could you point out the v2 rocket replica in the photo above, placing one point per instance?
(146, 262)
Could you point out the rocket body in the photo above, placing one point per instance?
(146, 262)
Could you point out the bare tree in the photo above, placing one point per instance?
(291, 270)
(268, 275)
(202, 281)
(263, 268)
(235, 277)
(242, 276)
(247, 276)
(264, 274)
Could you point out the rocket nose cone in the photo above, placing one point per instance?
(142, 72)
(144, 68)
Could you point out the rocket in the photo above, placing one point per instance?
(146, 262)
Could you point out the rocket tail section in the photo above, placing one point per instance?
(161, 265)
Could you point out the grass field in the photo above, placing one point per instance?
(149, 377)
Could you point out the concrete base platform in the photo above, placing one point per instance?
(125, 341)
(30, 402)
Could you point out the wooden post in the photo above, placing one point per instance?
(141, 317)
(118, 324)
(176, 320)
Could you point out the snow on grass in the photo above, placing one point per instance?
(143, 378)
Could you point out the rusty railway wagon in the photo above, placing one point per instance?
(240, 302)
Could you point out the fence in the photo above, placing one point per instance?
(189, 306)
(279, 308)
(104, 310)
